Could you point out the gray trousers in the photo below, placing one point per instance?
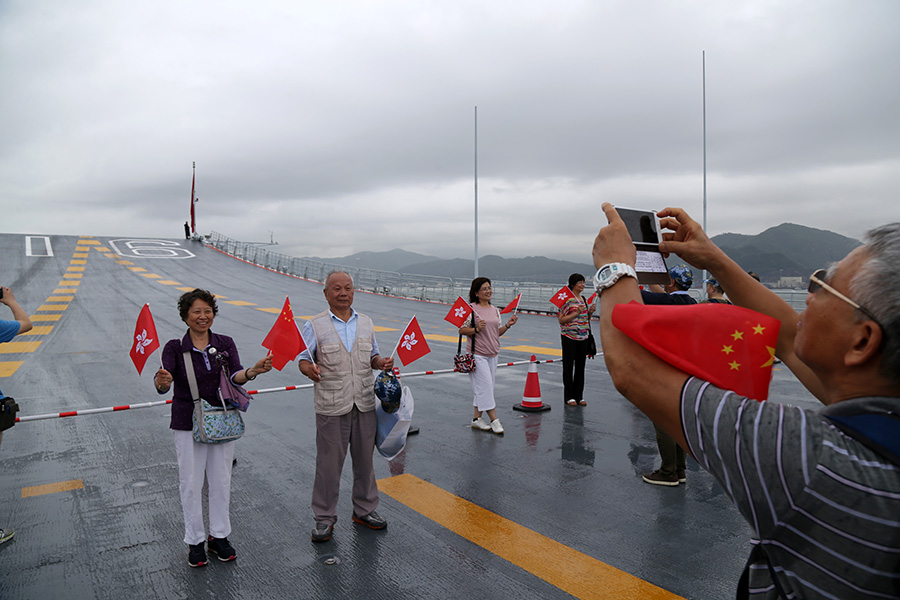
(672, 455)
(333, 435)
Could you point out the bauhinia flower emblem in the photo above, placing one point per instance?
(459, 313)
(409, 340)
(142, 342)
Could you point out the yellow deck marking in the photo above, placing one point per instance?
(169, 282)
(136, 269)
(45, 317)
(185, 289)
(274, 311)
(535, 350)
(52, 307)
(39, 330)
(75, 269)
(80, 255)
(65, 292)
(218, 296)
(72, 275)
(7, 368)
(70, 283)
(82, 249)
(568, 569)
(60, 298)
(151, 275)
(52, 488)
(379, 328)
(89, 242)
(75, 261)
(124, 262)
(442, 338)
(239, 303)
(18, 347)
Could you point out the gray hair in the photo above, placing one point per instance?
(336, 272)
(877, 287)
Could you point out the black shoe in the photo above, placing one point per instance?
(221, 548)
(372, 520)
(322, 531)
(197, 555)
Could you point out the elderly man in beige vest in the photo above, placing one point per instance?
(340, 357)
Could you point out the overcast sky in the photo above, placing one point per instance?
(336, 127)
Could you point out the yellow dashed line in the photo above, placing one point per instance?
(65, 292)
(82, 249)
(274, 311)
(89, 242)
(7, 368)
(239, 303)
(52, 307)
(60, 298)
(151, 275)
(187, 289)
(534, 350)
(52, 488)
(69, 283)
(124, 262)
(565, 568)
(75, 261)
(136, 269)
(75, 269)
(168, 282)
(45, 317)
(80, 255)
(379, 328)
(18, 347)
(39, 330)
(72, 275)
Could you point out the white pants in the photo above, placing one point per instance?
(482, 379)
(195, 459)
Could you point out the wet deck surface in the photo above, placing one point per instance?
(553, 509)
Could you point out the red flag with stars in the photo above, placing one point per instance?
(459, 312)
(412, 344)
(514, 305)
(560, 297)
(284, 339)
(145, 339)
(731, 347)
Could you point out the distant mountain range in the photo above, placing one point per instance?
(787, 250)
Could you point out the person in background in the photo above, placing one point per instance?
(821, 495)
(197, 461)
(8, 330)
(485, 332)
(340, 356)
(714, 292)
(673, 467)
(575, 326)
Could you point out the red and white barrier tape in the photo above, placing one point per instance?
(92, 411)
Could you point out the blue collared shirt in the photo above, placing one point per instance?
(8, 330)
(345, 330)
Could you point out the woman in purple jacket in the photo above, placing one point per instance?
(198, 309)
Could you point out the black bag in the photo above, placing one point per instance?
(591, 346)
(8, 410)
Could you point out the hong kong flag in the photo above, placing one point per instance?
(560, 297)
(284, 339)
(514, 305)
(459, 312)
(731, 347)
(412, 343)
(145, 339)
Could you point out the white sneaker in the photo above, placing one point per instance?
(496, 427)
(480, 424)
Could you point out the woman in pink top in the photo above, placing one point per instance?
(485, 347)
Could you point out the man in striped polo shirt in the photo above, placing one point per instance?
(824, 504)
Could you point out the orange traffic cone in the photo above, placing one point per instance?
(531, 399)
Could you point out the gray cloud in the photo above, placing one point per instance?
(347, 126)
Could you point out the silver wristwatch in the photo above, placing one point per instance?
(610, 273)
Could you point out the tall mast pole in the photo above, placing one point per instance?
(703, 285)
(476, 191)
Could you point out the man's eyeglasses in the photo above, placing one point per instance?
(816, 283)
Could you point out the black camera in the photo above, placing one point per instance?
(8, 410)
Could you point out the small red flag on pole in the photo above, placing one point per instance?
(459, 312)
(514, 305)
(560, 297)
(145, 339)
(284, 340)
(412, 345)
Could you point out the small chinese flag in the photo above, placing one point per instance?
(560, 297)
(145, 339)
(731, 347)
(284, 339)
(459, 312)
(592, 298)
(512, 305)
(412, 344)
